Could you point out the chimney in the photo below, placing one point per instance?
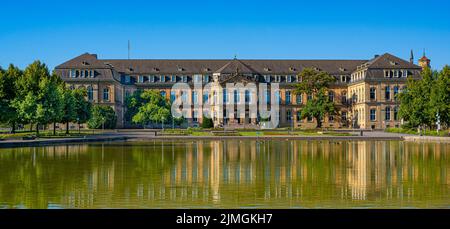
(376, 56)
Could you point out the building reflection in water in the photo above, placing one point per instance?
(228, 173)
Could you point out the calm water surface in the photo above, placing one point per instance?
(227, 174)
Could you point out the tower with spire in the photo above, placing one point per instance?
(424, 62)
(411, 58)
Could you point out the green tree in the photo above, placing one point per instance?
(102, 115)
(8, 92)
(440, 97)
(50, 106)
(82, 106)
(415, 105)
(30, 100)
(132, 103)
(68, 102)
(155, 108)
(315, 83)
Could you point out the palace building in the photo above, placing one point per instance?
(364, 92)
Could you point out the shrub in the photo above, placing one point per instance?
(102, 114)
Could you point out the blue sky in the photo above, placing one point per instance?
(55, 31)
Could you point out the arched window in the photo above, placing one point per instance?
(236, 96)
(90, 93)
(106, 94)
(395, 113)
(248, 97)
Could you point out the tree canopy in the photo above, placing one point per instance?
(315, 83)
(423, 99)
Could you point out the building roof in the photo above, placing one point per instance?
(389, 61)
(263, 67)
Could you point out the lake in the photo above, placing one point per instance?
(227, 174)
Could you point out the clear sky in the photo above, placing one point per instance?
(55, 31)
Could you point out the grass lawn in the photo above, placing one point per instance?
(49, 134)
(442, 133)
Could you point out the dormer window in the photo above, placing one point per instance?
(84, 63)
(73, 73)
(289, 78)
(267, 69)
(341, 69)
(156, 69)
(206, 69)
(316, 69)
(292, 69)
(393, 63)
(180, 69)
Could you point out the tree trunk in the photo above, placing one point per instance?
(319, 122)
(67, 127)
(31, 127)
(54, 128)
(13, 128)
(37, 128)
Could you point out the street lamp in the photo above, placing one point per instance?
(78, 121)
(103, 125)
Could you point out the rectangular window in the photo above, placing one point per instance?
(173, 78)
(197, 78)
(395, 113)
(184, 96)
(344, 116)
(288, 97)
(195, 116)
(172, 96)
(162, 79)
(185, 78)
(387, 116)
(289, 115)
(205, 97)
(309, 97)
(106, 94)
(372, 93)
(140, 79)
(395, 92)
(387, 93)
(267, 78)
(299, 99)
(225, 96)
(206, 77)
(194, 97)
(91, 73)
(331, 118)
(151, 79)
(277, 96)
(299, 116)
(373, 114)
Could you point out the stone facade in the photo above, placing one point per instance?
(364, 92)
